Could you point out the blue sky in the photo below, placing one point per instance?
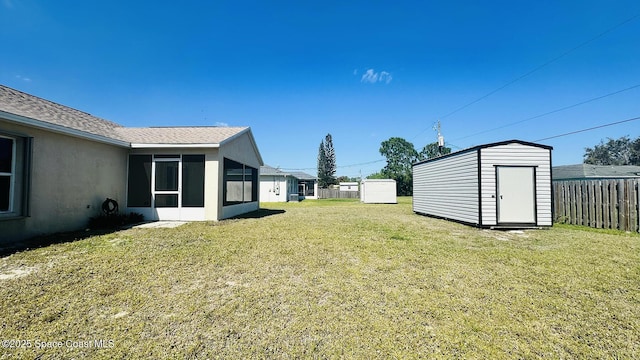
(363, 71)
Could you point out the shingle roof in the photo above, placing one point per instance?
(179, 135)
(63, 117)
(22, 104)
(270, 170)
(303, 176)
(586, 171)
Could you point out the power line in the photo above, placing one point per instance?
(589, 129)
(537, 68)
(337, 167)
(542, 66)
(550, 112)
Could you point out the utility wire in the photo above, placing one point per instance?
(550, 112)
(542, 66)
(337, 167)
(537, 68)
(589, 129)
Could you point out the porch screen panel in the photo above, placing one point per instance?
(248, 184)
(139, 182)
(240, 183)
(167, 176)
(193, 180)
(233, 182)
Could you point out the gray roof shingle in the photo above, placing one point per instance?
(586, 171)
(179, 135)
(32, 107)
(19, 103)
(270, 170)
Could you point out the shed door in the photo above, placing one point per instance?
(516, 195)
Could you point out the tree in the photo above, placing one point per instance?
(326, 163)
(622, 151)
(331, 158)
(400, 156)
(432, 150)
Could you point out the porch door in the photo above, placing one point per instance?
(167, 184)
(516, 195)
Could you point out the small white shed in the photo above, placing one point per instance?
(504, 184)
(378, 191)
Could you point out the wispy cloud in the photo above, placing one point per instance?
(23, 78)
(372, 77)
(222, 124)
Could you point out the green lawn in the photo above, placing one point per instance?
(326, 279)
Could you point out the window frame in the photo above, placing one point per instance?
(19, 175)
(151, 181)
(249, 177)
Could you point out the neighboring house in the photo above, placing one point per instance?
(58, 164)
(307, 185)
(348, 186)
(276, 185)
(587, 171)
(279, 186)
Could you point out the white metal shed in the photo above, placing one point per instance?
(503, 184)
(378, 191)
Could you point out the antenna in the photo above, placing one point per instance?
(438, 128)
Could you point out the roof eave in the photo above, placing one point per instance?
(174, 146)
(27, 121)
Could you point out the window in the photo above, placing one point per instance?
(240, 183)
(15, 156)
(7, 151)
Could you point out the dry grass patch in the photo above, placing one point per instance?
(329, 279)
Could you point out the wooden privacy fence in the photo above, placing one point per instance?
(337, 194)
(608, 204)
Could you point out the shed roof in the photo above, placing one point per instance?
(379, 180)
(588, 171)
(484, 146)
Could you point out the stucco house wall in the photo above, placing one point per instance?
(70, 178)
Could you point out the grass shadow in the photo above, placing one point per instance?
(50, 239)
(260, 213)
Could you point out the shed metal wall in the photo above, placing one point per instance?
(380, 191)
(448, 188)
(463, 186)
(515, 154)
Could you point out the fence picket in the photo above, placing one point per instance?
(609, 203)
(597, 188)
(337, 194)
